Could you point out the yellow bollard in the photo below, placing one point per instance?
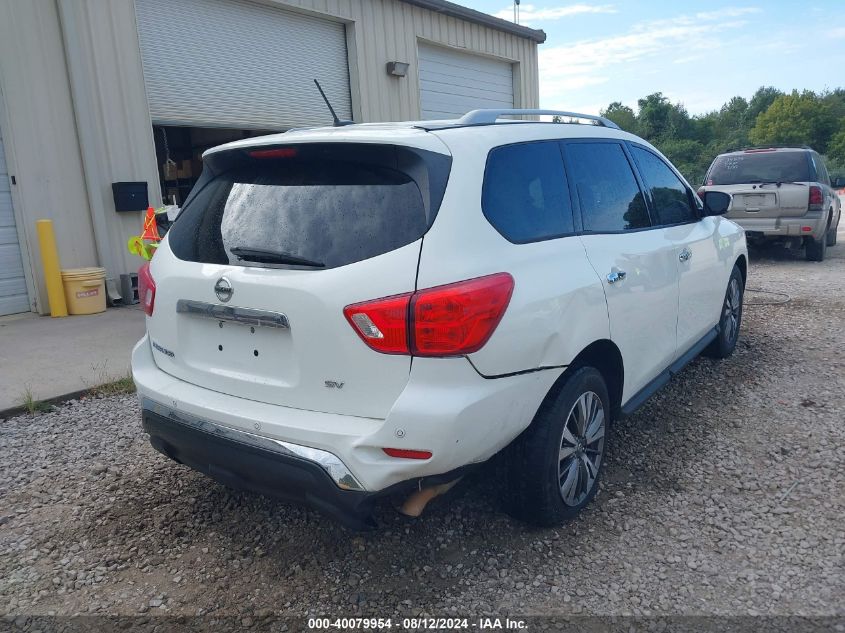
(52, 269)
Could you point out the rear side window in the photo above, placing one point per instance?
(759, 166)
(821, 170)
(525, 195)
(318, 205)
(610, 198)
(669, 195)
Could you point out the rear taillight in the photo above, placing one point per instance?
(383, 323)
(146, 289)
(446, 320)
(458, 318)
(816, 197)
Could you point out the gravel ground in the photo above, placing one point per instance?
(724, 495)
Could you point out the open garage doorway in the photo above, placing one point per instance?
(179, 155)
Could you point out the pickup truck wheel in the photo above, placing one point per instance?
(831, 235)
(725, 342)
(815, 250)
(553, 468)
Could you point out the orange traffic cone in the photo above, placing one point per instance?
(150, 226)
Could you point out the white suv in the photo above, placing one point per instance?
(346, 313)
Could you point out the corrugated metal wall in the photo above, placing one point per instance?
(79, 118)
(14, 296)
(244, 65)
(112, 117)
(454, 82)
(40, 139)
(388, 30)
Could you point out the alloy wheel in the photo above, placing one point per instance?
(581, 448)
(731, 313)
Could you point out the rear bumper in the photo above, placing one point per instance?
(446, 408)
(785, 227)
(239, 460)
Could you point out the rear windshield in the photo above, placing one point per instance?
(316, 205)
(735, 169)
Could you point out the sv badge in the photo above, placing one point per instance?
(331, 384)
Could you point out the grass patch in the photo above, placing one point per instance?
(108, 384)
(117, 387)
(32, 405)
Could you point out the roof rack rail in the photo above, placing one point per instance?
(485, 117)
(745, 149)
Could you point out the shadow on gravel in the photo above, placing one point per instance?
(228, 543)
(768, 252)
(223, 534)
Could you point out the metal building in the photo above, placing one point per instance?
(95, 92)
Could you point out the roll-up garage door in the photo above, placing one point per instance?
(452, 83)
(238, 64)
(13, 296)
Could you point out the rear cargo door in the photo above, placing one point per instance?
(272, 245)
(765, 183)
(767, 201)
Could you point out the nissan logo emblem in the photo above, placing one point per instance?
(223, 289)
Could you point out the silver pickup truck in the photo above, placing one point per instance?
(779, 193)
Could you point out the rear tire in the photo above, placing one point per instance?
(553, 468)
(831, 235)
(815, 250)
(729, 323)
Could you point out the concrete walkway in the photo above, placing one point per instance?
(54, 357)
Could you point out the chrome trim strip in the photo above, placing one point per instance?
(247, 316)
(329, 462)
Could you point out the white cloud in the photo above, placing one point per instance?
(688, 59)
(530, 14)
(580, 81)
(587, 62)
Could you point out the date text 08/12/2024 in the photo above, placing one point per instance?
(416, 624)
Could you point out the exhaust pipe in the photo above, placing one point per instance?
(416, 503)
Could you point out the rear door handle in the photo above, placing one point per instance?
(616, 275)
(685, 255)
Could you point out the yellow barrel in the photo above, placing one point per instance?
(85, 290)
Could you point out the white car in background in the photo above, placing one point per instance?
(346, 313)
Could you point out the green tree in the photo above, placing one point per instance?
(621, 115)
(732, 123)
(796, 119)
(836, 153)
(688, 156)
(659, 118)
(760, 102)
(769, 117)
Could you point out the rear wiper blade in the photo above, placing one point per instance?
(780, 182)
(272, 257)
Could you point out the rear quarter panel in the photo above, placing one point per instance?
(558, 305)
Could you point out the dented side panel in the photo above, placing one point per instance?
(558, 305)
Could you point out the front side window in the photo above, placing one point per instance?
(525, 196)
(669, 196)
(610, 198)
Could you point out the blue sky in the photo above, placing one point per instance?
(698, 53)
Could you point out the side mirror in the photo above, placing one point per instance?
(716, 202)
(838, 183)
